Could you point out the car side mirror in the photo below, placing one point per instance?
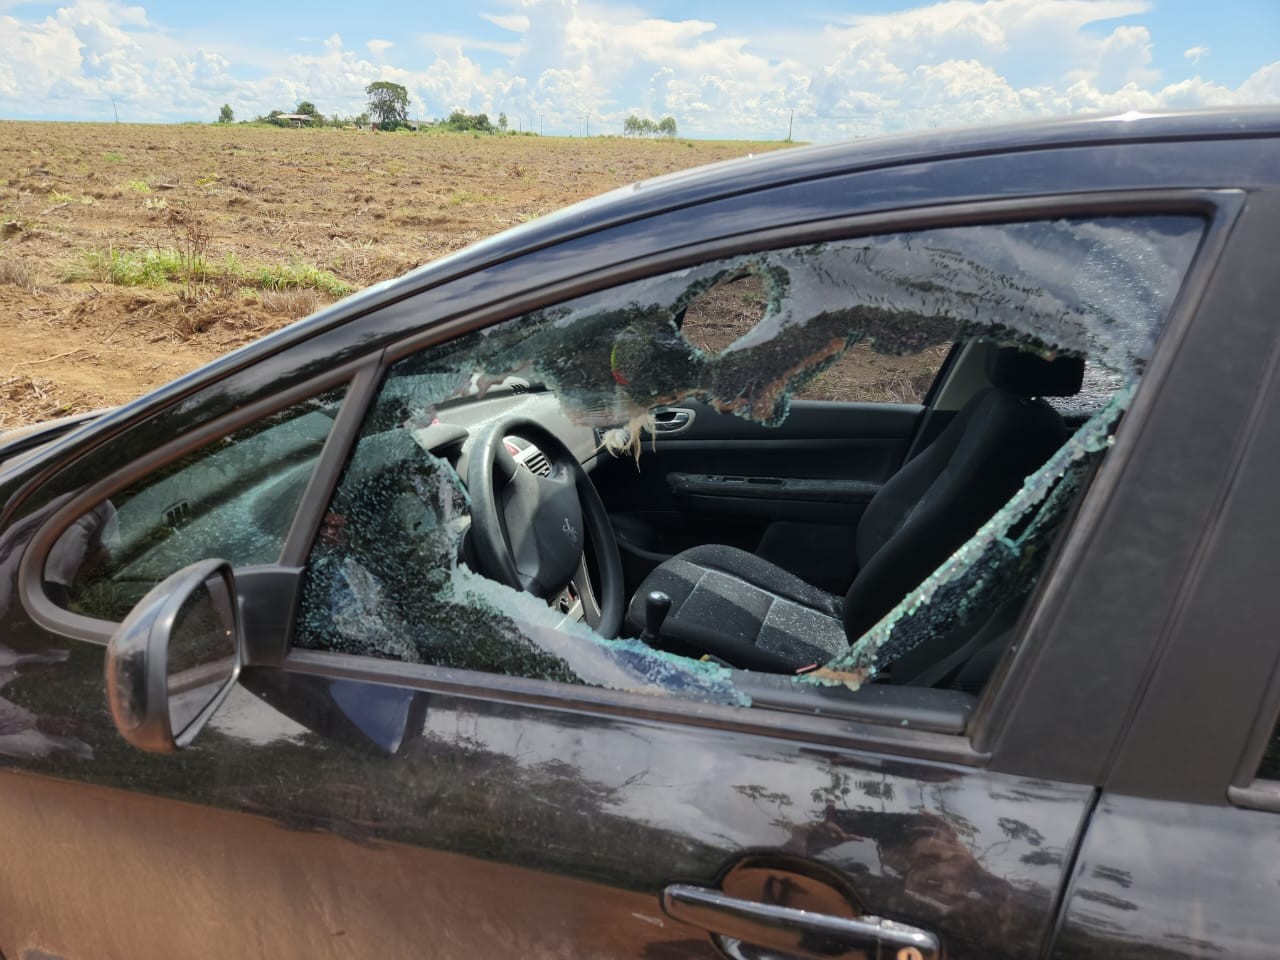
(175, 657)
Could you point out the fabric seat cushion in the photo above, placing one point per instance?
(734, 605)
(938, 500)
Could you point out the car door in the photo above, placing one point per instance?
(1181, 858)
(346, 804)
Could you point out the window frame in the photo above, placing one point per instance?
(1094, 738)
(1247, 789)
(969, 747)
(1255, 467)
(975, 744)
(64, 622)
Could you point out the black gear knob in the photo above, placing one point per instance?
(656, 607)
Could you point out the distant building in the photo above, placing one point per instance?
(296, 119)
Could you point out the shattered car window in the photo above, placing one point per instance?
(233, 498)
(1100, 385)
(385, 579)
(718, 316)
(389, 577)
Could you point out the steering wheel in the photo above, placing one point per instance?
(528, 531)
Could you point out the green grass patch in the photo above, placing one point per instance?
(156, 267)
(297, 275)
(112, 157)
(137, 186)
(57, 196)
(127, 268)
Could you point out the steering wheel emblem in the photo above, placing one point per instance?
(571, 533)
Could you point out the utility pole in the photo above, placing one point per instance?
(541, 129)
(114, 110)
(586, 125)
(790, 120)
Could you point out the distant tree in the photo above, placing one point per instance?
(309, 109)
(635, 126)
(502, 122)
(226, 115)
(461, 120)
(388, 102)
(362, 120)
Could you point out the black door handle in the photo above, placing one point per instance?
(801, 933)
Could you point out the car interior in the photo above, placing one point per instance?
(754, 613)
(771, 549)
(768, 549)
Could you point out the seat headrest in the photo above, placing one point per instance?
(1029, 375)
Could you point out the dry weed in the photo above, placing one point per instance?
(17, 273)
(190, 323)
(27, 400)
(294, 303)
(191, 238)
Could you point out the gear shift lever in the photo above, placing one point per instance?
(656, 607)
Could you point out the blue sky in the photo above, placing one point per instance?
(721, 68)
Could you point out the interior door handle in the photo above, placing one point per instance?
(672, 420)
(800, 933)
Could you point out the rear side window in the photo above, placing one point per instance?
(233, 499)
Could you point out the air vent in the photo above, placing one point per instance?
(176, 514)
(537, 464)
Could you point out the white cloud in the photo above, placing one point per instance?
(956, 61)
(436, 42)
(1263, 86)
(515, 22)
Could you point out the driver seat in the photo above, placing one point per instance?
(753, 614)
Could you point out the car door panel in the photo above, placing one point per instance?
(771, 498)
(464, 825)
(1173, 881)
(1176, 864)
(792, 493)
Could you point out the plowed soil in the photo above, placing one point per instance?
(362, 206)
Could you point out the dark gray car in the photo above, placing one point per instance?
(858, 551)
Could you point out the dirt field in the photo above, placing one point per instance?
(132, 254)
(97, 301)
